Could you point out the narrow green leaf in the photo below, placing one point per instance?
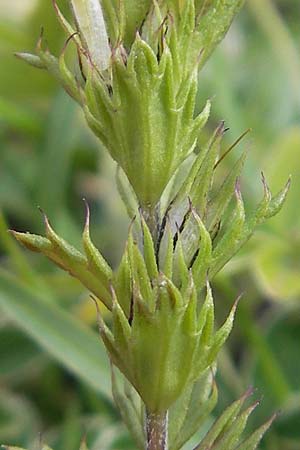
(181, 274)
(177, 415)
(69, 81)
(142, 62)
(204, 178)
(278, 201)
(190, 302)
(128, 412)
(135, 12)
(218, 204)
(32, 60)
(229, 243)
(203, 259)
(139, 269)
(228, 416)
(66, 257)
(214, 24)
(126, 193)
(96, 263)
(121, 328)
(252, 442)
(185, 188)
(66, 339)
(197, 413)
(65, 24)
(149, 251)
(167, 263)
(222, 334)
(206, 317)
(233, 434)
(123, 282)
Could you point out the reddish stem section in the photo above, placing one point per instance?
(157, 431)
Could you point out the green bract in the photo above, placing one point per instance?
(139, 96)
(160, 339)
(226, 432)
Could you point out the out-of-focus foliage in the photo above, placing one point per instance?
(48, 158)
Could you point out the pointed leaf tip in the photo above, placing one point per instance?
(267, 191)
(83, 445)
(46, 220)
(253, 441)
(96, 262)
(237, 188)
(220, 129)
(32, 242)
(32, 60)
(87, 215)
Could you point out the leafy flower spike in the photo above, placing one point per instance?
(140, 78)
(136, 79)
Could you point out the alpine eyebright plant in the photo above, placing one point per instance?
(136, 78)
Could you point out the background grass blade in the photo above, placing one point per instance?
(73, 345)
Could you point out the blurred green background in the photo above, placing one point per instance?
(54, 375)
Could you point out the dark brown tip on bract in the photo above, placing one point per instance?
(263, 178)
(195, 215)
(265, 185)
(40, 40)
(100, 322)
(220, 129)
(237, 187)
(113, 294)
(250, 391)
(45, 218)
(68, 40)
(131, 224)
(190, 204)
(55, 6)
(236, 303)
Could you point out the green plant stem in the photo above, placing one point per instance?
(156, 423)
(157, 431)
